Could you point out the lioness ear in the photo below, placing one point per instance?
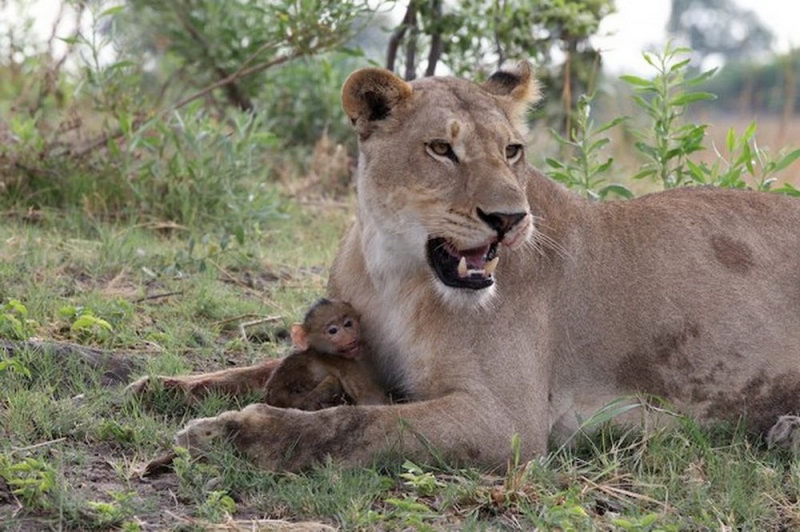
(370, 94)
(516, 88)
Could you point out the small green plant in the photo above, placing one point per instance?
(217, 505)
(114, 513)
(31, 479)
(666, 142)
(424, 482)
(585, 170)
(563, 511)
(745, 164)
(194, 480)
(85, 325)
(14, 321)
(646, 522)
(409, 512)
(15, 365)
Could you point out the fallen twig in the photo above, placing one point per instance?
(158, 296)
(37, 445)
(243, 326)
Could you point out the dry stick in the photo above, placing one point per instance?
(241, 284)
(37, 445)
(244, 325)
(158, 296)
(619, 493)
(234, 318)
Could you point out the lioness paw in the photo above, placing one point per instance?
(785, 434)
(139, 386)
(198, 433)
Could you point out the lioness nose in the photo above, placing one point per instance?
(500, 221)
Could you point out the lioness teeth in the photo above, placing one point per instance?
(462, 267)
(491, 266)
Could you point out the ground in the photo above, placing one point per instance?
(73, 445)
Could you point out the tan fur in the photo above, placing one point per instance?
(691, 294)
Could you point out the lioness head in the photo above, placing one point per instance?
(442, 174)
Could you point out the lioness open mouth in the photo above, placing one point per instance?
(463, 268)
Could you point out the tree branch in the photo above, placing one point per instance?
(233, 92)
(243, 72)
(398, 34)
(437, 44)
(411, 46)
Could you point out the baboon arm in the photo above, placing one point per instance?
(363, 390)
(324, 394)
(233, 381)
(458, 427)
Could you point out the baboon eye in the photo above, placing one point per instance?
(441, 148)
(513, 151)
(348, 323)
(333, 329)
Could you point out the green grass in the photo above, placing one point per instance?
(71, 448)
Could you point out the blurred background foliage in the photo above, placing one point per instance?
(189, 112)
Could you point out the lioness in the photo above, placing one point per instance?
(500, 303)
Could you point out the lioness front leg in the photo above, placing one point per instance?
(232, 381)
(287, 439)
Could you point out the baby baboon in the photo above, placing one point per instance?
(327, 368)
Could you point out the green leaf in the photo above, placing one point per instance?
(619, 190)
(679, 65)
(553, 163)
(408, 505)
(239, 233)
(648, 57)
(87, 321)
(559, 138)
(604, 167)
(646, 149)
(644, 173)
(599, 144)
(17, 306)
(788, 190)
(747, 158)
(786, 160)
(69, 40)
(120, 64)
(111, 11)
(750, 131)
(610, 410)
(691, 97)
(610, 124)
(636, 81)
(730, 140)
(644, 104)
(700, 78)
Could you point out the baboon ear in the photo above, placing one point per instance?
(370, 94)
(299, 339)
(517, 88)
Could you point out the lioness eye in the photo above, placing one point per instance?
(442, 148)
(513, 150)
(439, 147)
